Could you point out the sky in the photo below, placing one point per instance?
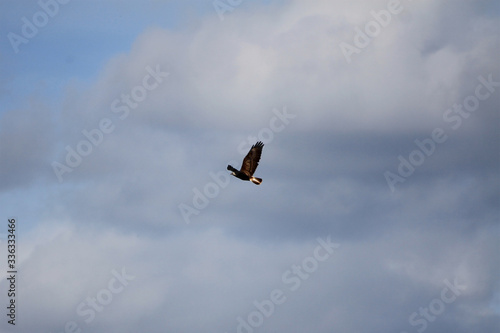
(379, 206)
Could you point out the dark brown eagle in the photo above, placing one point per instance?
(249, 165)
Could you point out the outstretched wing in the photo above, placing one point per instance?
(251, 161)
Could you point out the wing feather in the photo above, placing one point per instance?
(251, 161)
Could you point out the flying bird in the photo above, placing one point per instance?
(249, 165)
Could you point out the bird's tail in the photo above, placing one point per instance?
(230, 168)
(256, 180)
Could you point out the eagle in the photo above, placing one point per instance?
(249, 165)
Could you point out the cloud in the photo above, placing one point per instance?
(26, 142)
(323, 174)
(179, 277)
